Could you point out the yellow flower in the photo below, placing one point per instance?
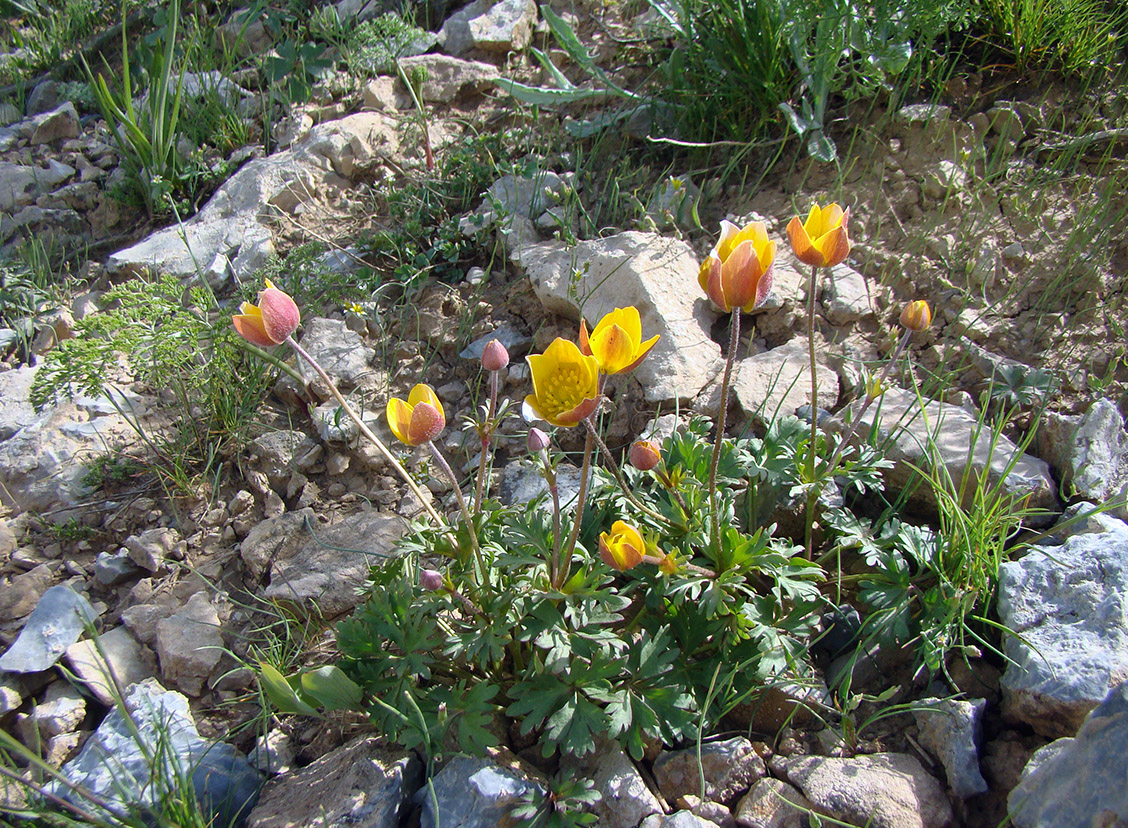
(271, 321)
(738, 271)
(622, 548)
(823, 239)
(916, 316)
(565, 384)
(616, 341)
(420, 419)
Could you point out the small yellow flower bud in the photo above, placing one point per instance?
(916, 316)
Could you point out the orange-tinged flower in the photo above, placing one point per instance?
(916, 316)
(616, 341)
(271, 321)
(823, 239)
(645, 455)
(420, 419)
(565, 384)
(738, 271)
(622, 548)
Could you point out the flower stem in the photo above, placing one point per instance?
(365, 430)
(569, 547)
(554, 490)
(813, 491)
(449, 472)
(486, 434)
(849, 434)
(734, 343)
(618, 477)
(267, 357)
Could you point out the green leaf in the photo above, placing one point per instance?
(332, 688)
(280, 693)
(543, 96)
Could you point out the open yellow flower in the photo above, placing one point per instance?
(823, 239)
(738, 270)
(622, 548)
(420, 419)
(271, 321)
(617, 341)
(565, 383)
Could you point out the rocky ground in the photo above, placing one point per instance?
(957, 202)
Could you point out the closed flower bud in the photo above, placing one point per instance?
(645, 455)
(495, 357)
(916, 316)
(431, 580)
(538, 441)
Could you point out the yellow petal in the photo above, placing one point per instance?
(398, 413)
(422, 393)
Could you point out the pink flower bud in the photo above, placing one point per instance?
(431, 580)
(645, 455)
(495, 357)
(538, 441)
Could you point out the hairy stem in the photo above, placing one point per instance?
(813, 491)
(554, 490)
(614, 468)
(366, 431)
(734, 343)
(486, 434)
(585, 473)
(466, 518)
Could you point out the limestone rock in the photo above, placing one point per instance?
(114, 763)
(340, 352)
(448, 78)
(625, 797)
(1096, 462)
(278, 454)
(845, 296)
(959, 442)
(880, 790)
(681, 819)
(235, 221)
(116, 652)
(772, 803)
(152, 547)
(57, 124)
(61, 711)
(950, 730)
(188, 644)
(730, 767)
(20, 596)
(57, 621)
(502, 27)
(474, 793)
(15, 386)
(1071, 644)
(778, 382)
(1079, 782)
(328, 570)
(362, 784)
(657, 275)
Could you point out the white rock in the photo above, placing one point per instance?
(61, 711)
(777, 382)
(235, 221)
(658, 276)
(495, 27)
(447, 78)
(116, 653)
(950, 729)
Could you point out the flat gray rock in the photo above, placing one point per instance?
(1079, 782)
(730, 767)
(1066, 606)
(58, 620)
(116, 652)
(360, 785)
(960, 442)
(879, 790)
(114, 763)
(473, 793)
(950, 729)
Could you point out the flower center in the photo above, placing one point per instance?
(565, 389)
